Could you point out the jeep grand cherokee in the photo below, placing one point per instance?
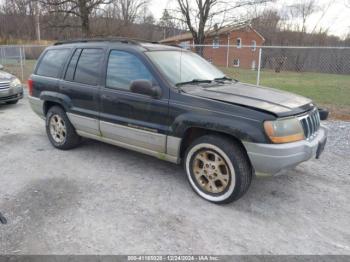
(170, 103)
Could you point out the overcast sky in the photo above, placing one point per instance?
(336, 19)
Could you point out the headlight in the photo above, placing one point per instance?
(15, 82)
(284, 130)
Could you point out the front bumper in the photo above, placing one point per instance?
(11, 94)
(273, 158)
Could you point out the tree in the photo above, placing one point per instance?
(302, 10)
(200, 14)
(128, 10)
(80, 8)
(166, 22)
(267, 23)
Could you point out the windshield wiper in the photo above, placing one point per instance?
(220, 79)
(194, 82)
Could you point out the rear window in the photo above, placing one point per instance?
(88, 67)
(52, 62)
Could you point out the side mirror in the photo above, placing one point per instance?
(323, 113)
(1, 67)
(145, 87)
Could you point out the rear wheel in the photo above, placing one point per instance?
(59, 129)
(218, 168)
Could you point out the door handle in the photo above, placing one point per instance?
(109, 98)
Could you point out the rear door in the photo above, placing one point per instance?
(81, 84)
(135, 120)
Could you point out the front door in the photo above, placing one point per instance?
(134, 120)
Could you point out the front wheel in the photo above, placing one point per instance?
(59, 129)
(218, 168)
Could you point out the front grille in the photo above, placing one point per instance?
(311, 123)
(4, 85)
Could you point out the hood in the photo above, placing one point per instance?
(274, 101)
(5, 76)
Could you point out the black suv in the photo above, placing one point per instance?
(170, 103)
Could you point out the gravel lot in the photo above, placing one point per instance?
(100, 199)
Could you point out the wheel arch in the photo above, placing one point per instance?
(192, 133)
(52, 98)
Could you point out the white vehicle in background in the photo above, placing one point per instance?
(11, 89)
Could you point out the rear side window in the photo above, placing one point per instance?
(123, 68)
(88, 67)
(52, 62)
(72, 64)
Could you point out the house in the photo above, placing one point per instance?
(243, 40)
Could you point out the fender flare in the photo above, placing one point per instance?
(61, 99)
(243, 129)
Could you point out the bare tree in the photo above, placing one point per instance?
(168, 24)
(199, 15)
(267, 23)
(80, 8)
(128, 10)
(302, 10)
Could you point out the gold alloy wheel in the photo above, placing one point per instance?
(58, 129)
(211, 171)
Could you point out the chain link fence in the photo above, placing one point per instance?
(20, 60)
(321, 73)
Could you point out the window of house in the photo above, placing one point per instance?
(236, 62)
(185, 45)
(253, 65)
(216, 42)
(239, 42)
(88, 67)
(253, 45)
(52, 62)
(123, 68)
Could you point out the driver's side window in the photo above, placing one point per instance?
(123, 68)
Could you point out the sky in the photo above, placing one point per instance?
(336, 19)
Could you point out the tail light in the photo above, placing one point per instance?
(30, 87)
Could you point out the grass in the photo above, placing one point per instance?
(328, 90)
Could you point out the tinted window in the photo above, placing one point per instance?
(72, 64)
(123, 68)
(52, 62)
(88, 67)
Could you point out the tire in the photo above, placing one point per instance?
(218, 168)
(60, 130)
(12, 102)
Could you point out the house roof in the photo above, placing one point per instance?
(220, 31)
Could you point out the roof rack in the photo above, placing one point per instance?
(124, 40)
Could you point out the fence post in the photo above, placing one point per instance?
(21, 62)
(259, 67)
(2, 56)
(228, 52)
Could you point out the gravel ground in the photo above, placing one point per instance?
(101, 199)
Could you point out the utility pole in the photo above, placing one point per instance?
(37, 21)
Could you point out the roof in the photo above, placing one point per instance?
(220, 31)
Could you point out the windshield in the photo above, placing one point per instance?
(184, 66)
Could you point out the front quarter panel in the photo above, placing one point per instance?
(243, 123)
